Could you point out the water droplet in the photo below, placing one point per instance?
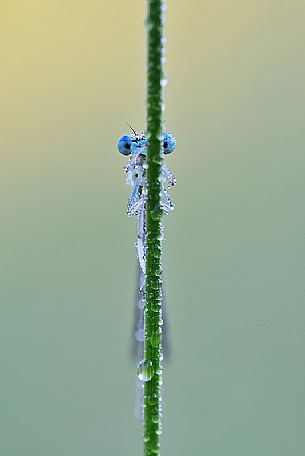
(152, 401)
(139, 334)
(157, 160)
(155, 214)
(141, 304)
(156, 449)
(156, 338)
(145, 371)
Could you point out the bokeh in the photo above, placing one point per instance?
(72, 75)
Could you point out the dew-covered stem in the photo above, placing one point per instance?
(153, 311)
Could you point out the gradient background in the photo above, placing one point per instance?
(72, 73)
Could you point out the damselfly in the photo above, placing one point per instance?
(134, 146)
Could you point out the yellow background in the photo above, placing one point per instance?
(72, 74)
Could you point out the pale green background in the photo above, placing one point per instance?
(72, 73)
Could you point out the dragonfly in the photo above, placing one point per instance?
(134, 146)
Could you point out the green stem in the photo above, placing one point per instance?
(153, 311)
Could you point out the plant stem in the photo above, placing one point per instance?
(153, 311)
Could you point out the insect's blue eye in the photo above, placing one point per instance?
(124, 145)
(169, 143)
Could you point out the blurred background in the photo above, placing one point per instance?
(72, 75)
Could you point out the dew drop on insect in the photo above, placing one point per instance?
(163, 6)
(145, 371)
(139, 334)
(141, 304)
(163, 82)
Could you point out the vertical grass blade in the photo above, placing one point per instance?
(153, 312)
